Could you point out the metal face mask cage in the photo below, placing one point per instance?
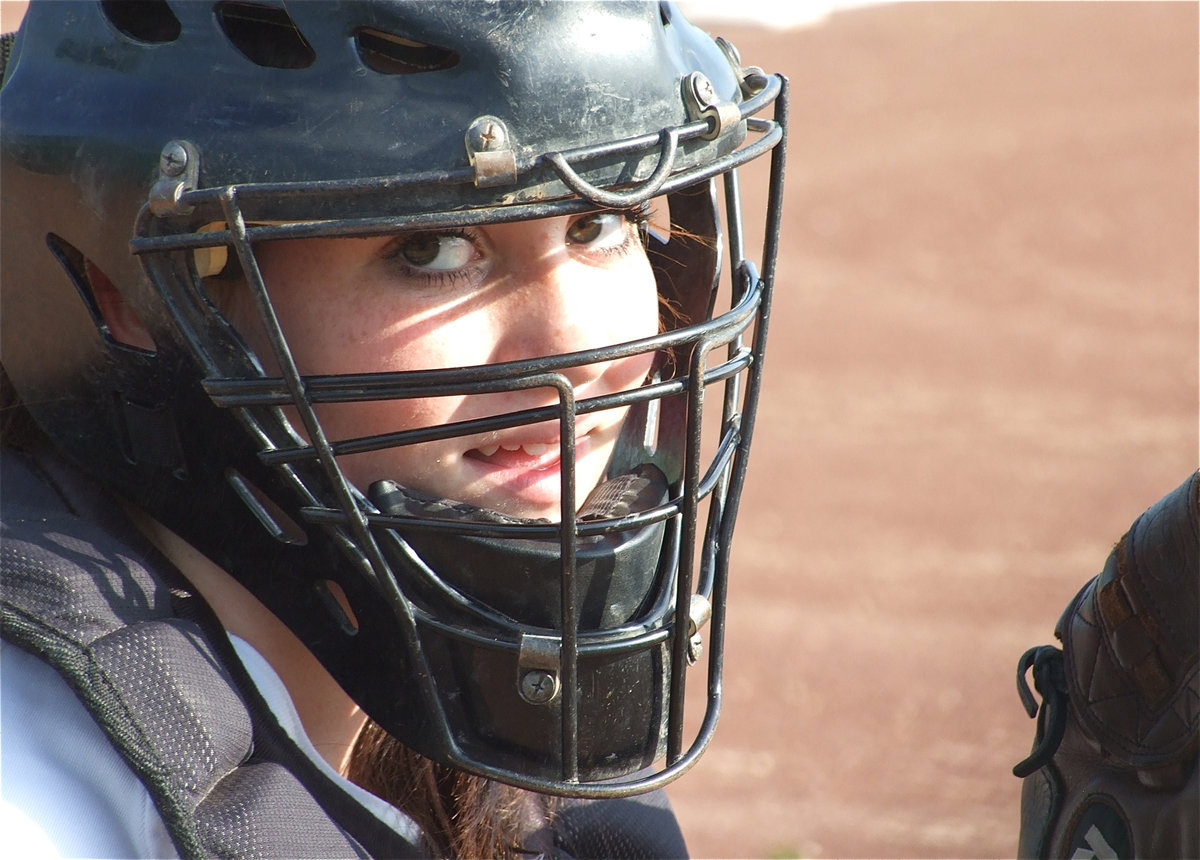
(551, 656)
(457, 647)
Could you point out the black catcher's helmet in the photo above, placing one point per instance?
(157, 141)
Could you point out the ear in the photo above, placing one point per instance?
(123, 323)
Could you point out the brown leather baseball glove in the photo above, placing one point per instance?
(1113, 772)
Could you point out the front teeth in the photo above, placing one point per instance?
(533, 449)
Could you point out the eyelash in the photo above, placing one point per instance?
(634, 217)
(432, 277)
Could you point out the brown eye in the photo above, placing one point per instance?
(421, 249)
(585, 230)
(432, 251)
(600, 231)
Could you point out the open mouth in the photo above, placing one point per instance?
(522, 481)
(520, 472)
(524, 475)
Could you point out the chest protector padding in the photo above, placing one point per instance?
(85, 593)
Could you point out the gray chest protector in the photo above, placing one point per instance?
(85, 593)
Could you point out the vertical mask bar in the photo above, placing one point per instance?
(713, 528)
(733, 218)
(733, 215)
(687, 547)
(775, 187)
(569, 658)
(753, 387)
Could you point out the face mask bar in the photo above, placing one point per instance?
(673, 620)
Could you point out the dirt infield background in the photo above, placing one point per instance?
(983, 368)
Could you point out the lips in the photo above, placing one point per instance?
(524, 474)
(520, 482)
(508, 455)
(519, 471)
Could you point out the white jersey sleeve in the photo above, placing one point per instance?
(66, 791)
(64, 788)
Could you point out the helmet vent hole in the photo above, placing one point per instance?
(150, 21)
(265, 35)
(390, 54)
(337, 604)
(115, 319)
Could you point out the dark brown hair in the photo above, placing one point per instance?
(463, 815)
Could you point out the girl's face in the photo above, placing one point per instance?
(458, 297)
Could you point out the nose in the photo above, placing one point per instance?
(557, 303)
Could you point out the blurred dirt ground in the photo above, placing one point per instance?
(983, 368)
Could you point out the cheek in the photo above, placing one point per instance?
(418, 466)
(638, 316)
(393, 345)
(410, 463)
(613, 304)
(644, 311)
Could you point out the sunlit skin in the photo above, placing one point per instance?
(455, 298)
